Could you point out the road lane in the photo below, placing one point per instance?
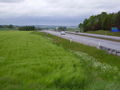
(97, 35)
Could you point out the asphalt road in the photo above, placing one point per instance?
(88, 40)
(97, 35)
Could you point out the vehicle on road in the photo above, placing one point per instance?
(62, 33)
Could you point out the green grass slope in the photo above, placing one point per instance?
(103, 32)
(102, 70)
(101, 55)
(31, 62)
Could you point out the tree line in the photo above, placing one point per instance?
(61, 28)
(7, 26)
(103, 21)
(21, 28)
(27, 28)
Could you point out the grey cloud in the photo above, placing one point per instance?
(59, 8)
(43, 20)
(10, 1)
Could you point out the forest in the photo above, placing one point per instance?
(103, 21)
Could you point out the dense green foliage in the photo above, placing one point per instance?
(27, 28)
(29, 61)
(7, 27)
(62, 28)
(103, 21)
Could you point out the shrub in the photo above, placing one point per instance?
(27, 28)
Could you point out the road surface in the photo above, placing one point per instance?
(97, 35)
(111, 46)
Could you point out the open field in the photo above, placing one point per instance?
(39, 61)
(103, 32)
(31, 62)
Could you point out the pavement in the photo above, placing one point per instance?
(97, 35)
(111, 46)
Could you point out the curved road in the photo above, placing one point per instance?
(114, 46)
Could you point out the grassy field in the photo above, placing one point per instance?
(102, 69)
(31, 62)
(39, 61)
(103, 32)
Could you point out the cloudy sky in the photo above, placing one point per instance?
(53, 12)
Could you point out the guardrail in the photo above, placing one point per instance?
(110, 51)
(99, 46)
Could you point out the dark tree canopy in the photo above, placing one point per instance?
(62, 28)
(7, 26)
(103, 21)
(27, 28)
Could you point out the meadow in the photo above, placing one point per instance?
(38, 61)
(31, 62)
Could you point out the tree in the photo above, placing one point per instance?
(62, 28)
(101, 21)
(10, 26)
(117, 20)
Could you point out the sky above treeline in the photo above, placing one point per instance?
(53, 12)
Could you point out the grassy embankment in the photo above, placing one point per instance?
(101, 55)
(102, 69)
(31, 62)
(103, 32)
(73, 29)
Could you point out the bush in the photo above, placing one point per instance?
(27, 28)
(62, 28)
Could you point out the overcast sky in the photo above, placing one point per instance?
(53, 12)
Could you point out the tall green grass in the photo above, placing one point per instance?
(100, 76)
(102, 73)
(31, 62)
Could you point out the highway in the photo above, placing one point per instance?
(97, 35)
(111, 46)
